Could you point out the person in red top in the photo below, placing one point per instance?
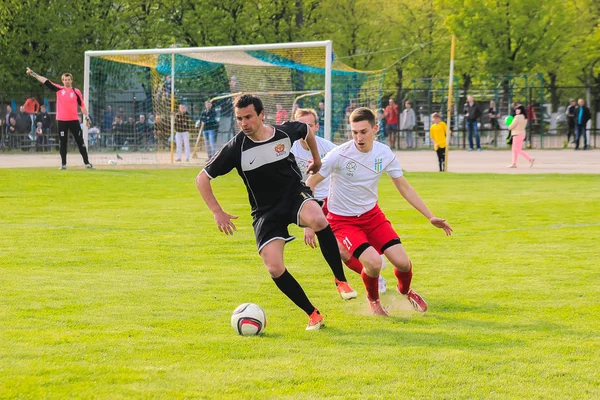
(391, 128)
(31, 106)
(68, 99)
(281, 115)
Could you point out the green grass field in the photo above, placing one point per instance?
(116, 284)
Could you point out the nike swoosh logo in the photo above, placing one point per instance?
(252, 161)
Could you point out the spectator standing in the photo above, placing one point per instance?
(209, 117)
(321, 115)
(9, 114)
(281, 115)
(141, 131)
(391, 117)
(44, 122)
(183, 124)
(11, 132)
(472, 114)
(582, 116)
(107, 120)
(570, 113)
(32, 107)
(351, 107)
(381, 125)
(409, 120)
(493, 115)
(24, 125)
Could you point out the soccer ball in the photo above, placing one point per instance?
(248, 319)
(112, 162)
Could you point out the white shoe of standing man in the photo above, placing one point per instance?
(382, 287)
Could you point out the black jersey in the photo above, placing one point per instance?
(268, 168)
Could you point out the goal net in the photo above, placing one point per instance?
(133, 95)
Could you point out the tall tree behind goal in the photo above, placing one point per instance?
(153, 83)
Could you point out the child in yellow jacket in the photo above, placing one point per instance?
(437, 132)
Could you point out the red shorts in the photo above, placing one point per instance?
(369, 229)
(324, 207)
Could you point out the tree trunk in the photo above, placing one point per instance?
(554, 97)
(399, 73)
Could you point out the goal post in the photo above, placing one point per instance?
(126, 90)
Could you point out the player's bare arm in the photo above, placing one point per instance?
(411, 195)
(36, 76)
(315, 166)
(222, 219)
(314, 180)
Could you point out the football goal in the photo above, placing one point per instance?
(133, 95)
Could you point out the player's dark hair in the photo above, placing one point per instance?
(363, 114)
(247, 99)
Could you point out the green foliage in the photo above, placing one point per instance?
(117, 284)
(494, 37)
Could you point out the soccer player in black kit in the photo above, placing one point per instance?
(261, 155)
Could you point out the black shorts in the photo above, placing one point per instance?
(273, 224)
(65, 126)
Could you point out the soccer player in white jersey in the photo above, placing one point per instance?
(303, 158)
(261, 155)
(355, 168)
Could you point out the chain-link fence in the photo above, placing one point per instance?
(548, 126)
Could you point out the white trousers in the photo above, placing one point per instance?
(182, 139)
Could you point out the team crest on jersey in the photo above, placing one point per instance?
(378, 164)
(280, 149)
(350, 168)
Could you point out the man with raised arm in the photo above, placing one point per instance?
(68, 99)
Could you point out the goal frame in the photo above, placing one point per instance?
(327, 44)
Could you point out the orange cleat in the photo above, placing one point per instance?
(345, 290)
(315, 321)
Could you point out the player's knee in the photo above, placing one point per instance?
(372, 263)
(275, 269)
(344, 254)
(320, 223)
(402, 263)
(316, 221)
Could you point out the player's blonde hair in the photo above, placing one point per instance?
(436, 115)
(66, 74)
(303, 112)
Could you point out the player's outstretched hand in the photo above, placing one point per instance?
(309, 238)
(442, 224)
(28, 71)
(313, 167)
(223, 221)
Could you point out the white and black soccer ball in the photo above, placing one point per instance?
(248, 319)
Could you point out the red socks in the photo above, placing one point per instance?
(404, 279)
(354, 265)
(372, 285)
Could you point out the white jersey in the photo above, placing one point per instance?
(304, 156)
(355, 176)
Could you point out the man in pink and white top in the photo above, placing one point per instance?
(359, 224)
(68, 99)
